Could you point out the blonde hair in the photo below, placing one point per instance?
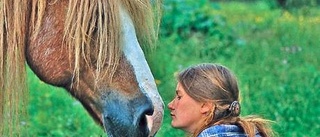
(215, 83)
(13, 87)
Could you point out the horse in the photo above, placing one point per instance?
(92, 49)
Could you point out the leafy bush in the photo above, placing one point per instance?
(198, 20)
(187, 17)
(297, 3)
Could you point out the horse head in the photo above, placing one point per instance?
(94, 53)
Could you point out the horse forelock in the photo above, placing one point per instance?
(92, 32)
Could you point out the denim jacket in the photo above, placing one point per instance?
(224, 131)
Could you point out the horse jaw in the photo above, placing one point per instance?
(135, 56)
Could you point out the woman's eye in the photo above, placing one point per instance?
(178, 97)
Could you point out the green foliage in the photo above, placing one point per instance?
(188, 17)
(300, 3)
(198, 20)
(291, 5)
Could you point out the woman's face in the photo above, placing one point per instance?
(186, 113)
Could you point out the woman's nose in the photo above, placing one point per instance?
(170, 105)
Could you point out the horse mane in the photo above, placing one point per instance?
(13, 30)
(83, 23)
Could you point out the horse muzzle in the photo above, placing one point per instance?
(126, 117)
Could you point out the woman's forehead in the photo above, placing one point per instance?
(179, 88)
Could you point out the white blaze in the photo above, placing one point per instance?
(135, 56)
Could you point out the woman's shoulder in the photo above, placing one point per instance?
(223, 131)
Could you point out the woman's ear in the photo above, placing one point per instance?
(206, 107)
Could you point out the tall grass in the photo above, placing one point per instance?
(274, 53)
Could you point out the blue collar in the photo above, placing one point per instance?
(224, 131)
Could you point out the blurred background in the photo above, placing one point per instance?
(272, 46)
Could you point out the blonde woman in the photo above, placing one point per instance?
(207, 105)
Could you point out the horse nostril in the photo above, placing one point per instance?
(149, 110)
(143, 121)
(146, 109)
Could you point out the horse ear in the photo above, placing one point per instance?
(206, 107)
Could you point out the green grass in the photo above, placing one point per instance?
(274, 53)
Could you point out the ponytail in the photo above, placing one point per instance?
(253, 124)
